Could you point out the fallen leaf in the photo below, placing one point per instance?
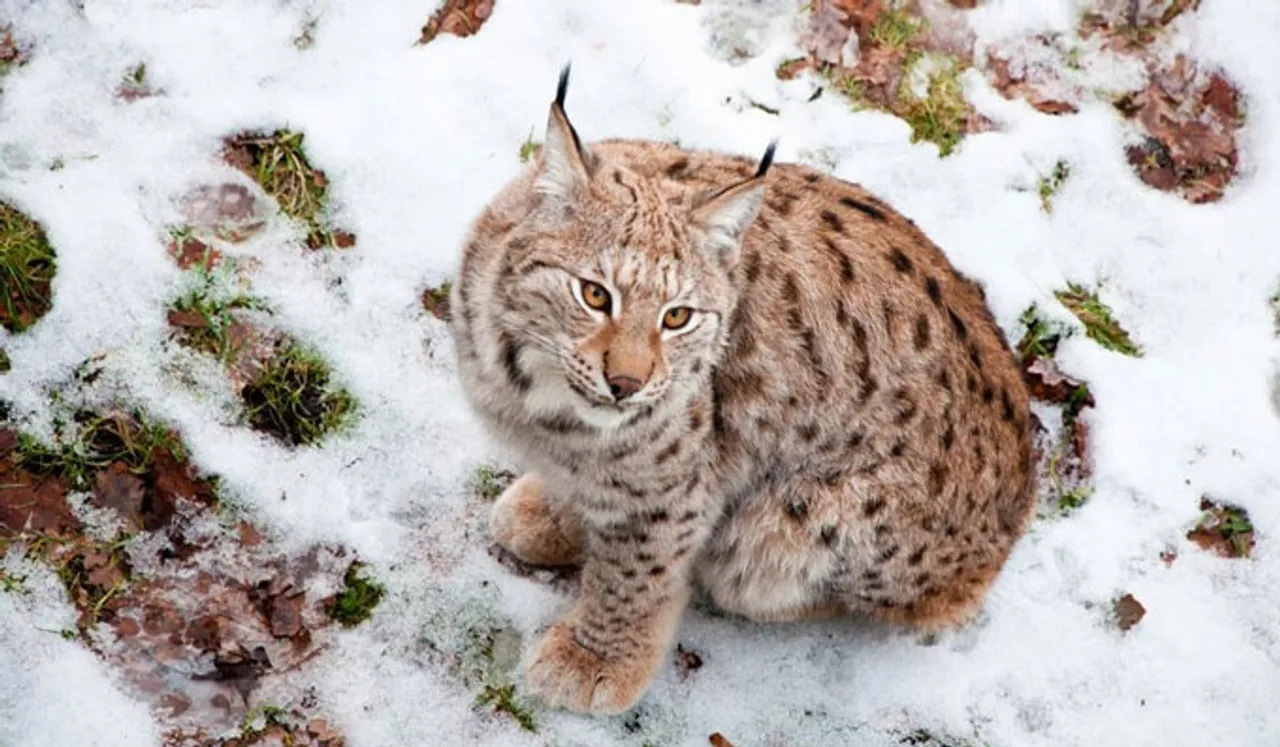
(119, 489)
(1128, 612)
(457, 17)
(1049, 384)
(718, 740)
(688, 661)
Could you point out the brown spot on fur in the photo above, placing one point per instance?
(842, 259)
(677, 168)
(916, 557)
(872, 507)
(901, 262)
(807, 432)
(935, 292)
(833, 221)
(797, 509)
(958, 324)
(829, 534)
(869, 210)
(922, 332)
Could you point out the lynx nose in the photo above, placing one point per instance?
(623, 386)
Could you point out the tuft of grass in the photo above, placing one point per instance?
(436, 300)
(1224, 528)
(490, 482)
(97, 441)
(207, 311)
(1099, 323)
(279, 164)
(529, 148)
(11, 584)
(294, 399)
(502, 699)
(355, 603)
(1049, 185)
(27, 266)
(895, 28)
(940, 116)
(1041, 337)
(5, 364)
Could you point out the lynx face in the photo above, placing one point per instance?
(627, 300)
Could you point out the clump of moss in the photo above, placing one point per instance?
(355, 603)
(278, 163)
(27, 267)
(294, 399)
(1099, 322)
(1049, 185)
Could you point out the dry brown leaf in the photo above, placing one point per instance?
(457, 17)
(1128, 612)
(117, 488)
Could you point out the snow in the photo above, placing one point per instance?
(415, 139)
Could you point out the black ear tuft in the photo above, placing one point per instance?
(563, 87)
(767, 161)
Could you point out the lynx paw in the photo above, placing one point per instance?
(523, 523)
(563, 674)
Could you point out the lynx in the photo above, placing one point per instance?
(755, 383)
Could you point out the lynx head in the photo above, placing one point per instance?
(625, 280)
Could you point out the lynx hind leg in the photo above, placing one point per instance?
(774, 559)
(526, 524)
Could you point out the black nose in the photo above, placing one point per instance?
(623, 386)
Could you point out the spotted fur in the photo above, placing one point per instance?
(842, 429)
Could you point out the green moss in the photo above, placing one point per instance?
(293, 398)
(1099, 323)
(1050, 184)
(355, 603)
(27, 267)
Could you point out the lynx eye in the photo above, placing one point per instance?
(677, 317)
(596, 297)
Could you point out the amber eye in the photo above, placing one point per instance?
(596, 296)
(677, 317)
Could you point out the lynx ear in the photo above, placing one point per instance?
(726, 215)
(564, 168)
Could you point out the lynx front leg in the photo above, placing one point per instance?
(526, 524)
(601, 658)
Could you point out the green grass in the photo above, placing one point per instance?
(490, 482)
(96, 442)
(27, 267)
(1100, 324)
(1049, 185)
(355, 603)
(940, 116)
(481, 651)
(280, 165)
(502, 699)
(529, 148)
(294, 399)
(214, 298)
(11, 584)
(1041, 338)
(895, 28)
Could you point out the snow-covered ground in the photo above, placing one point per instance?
(414, 140)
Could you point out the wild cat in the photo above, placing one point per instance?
(752, 380)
